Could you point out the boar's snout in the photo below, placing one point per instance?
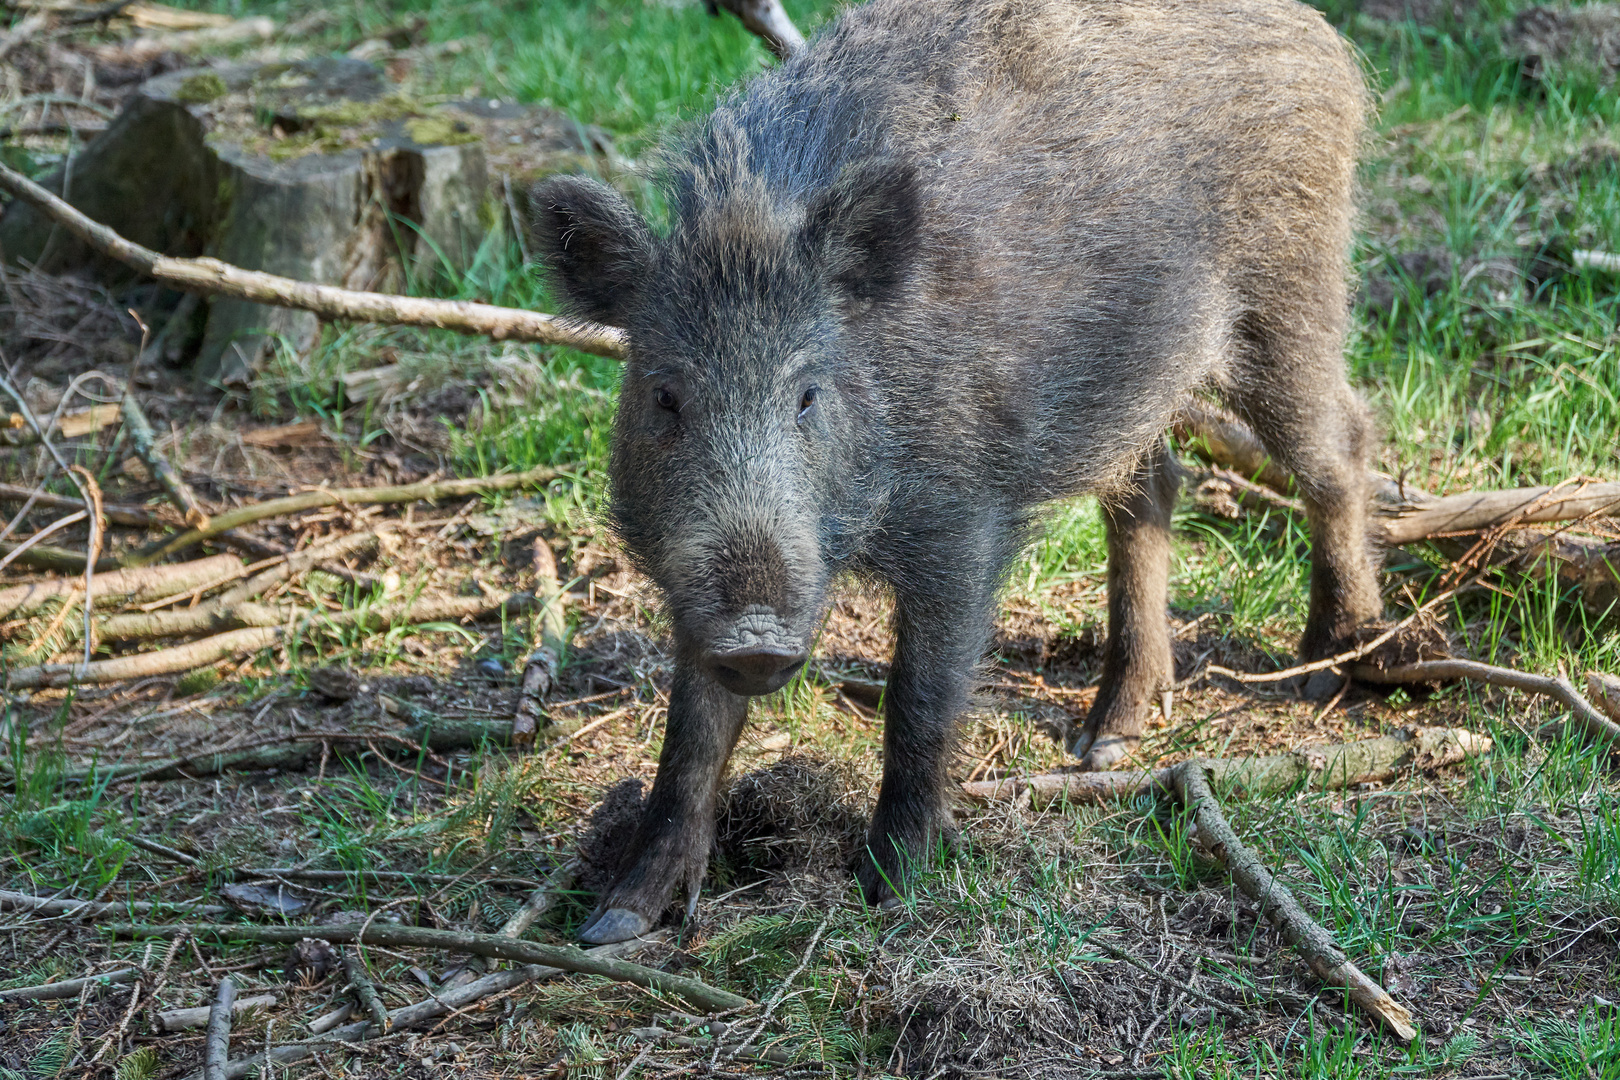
(756, 655)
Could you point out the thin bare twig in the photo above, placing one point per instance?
(212, 277)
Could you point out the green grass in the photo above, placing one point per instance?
(1478, 378)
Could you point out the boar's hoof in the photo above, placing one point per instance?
(614, 924)
(1101, 753)
(1322, 685)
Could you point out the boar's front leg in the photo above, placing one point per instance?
(671, 845)
(941, 627)
(1137, 665)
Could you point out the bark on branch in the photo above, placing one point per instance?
(1315, 768)
(212, 277)
(1327, 961)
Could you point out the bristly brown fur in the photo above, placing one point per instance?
(953, 261)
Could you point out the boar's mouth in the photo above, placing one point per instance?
(757, 654)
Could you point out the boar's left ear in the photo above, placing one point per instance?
(595, 243)
(867, 227)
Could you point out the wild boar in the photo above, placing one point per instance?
(957, 260)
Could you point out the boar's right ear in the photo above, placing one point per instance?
(595, 243)
(867, 227)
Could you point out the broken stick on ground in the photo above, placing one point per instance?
(1315, 944)
(567, 958)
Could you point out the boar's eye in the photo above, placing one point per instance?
(807, 401)
(666, 399)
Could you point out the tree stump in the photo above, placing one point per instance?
(317, 170)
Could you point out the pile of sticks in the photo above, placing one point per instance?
(127, 598)
(342, 947)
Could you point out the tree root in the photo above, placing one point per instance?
(1326, 960)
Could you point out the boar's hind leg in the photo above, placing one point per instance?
(1302, 408)
(671, 845)
(1137, 666)
(941, 627)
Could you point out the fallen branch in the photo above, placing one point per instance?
(1314, 768)
(217, 1043)
(1402, 514)
(365, 496)
(120, 586)
(1315, 944)
(69, 988)
(298, 873)
(564, 957)
(221, 613)
(92, 909)
(181, 658)
(354, 968)
(540, 669)
(144, 441)
(1556, 687)
(20, 549)
(214, 278)
(14, 430)
(186, 1019)
(262, 627)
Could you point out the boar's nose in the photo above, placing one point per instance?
(756, 670)
(756, 654)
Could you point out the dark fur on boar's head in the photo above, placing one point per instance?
(744, 461)
(954, 261)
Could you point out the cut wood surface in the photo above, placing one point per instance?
(388, 935)
(1277, 903)
(213, 277)
(1313, 768)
